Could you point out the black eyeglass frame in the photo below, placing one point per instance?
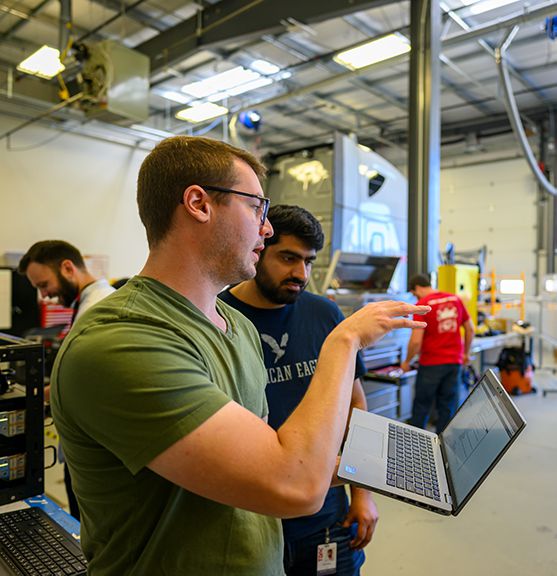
(266, 201)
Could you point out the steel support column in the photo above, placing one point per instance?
(424, 147)
(552, 242)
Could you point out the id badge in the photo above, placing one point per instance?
(326, 559)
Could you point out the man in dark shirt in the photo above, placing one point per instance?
(293, 325)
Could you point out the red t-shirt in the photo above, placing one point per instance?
(442, 342)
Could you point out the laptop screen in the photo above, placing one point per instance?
(480, 432)
(364, 272)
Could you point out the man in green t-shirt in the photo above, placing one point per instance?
(158, 391)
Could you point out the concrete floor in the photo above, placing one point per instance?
(509, 528)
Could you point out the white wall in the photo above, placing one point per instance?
(69, 187)
(83, 191)
(492, 204)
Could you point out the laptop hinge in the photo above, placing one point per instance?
(446, 466)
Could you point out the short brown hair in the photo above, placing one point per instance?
(179, 162)
(51, 253)
(419, 280)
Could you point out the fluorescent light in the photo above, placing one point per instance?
(230, 83)
(257, 83)
(220, 82)
(374, 51)
(264, 67)
(45, 63)
(174, 96)
(201, 112)
(481, 7)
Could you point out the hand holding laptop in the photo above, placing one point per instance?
(371, 322)
(437, 472)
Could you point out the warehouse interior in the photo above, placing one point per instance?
(457, 131)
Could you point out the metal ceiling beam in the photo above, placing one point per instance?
(310, 57)
(490, 49)
(230, 20)
(545, 9)
(135, 14)
(24, 21)
(456, 39)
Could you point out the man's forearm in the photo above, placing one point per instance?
(413, 349)
(323, 412)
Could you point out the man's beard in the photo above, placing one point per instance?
(277, 294)
(68, 292)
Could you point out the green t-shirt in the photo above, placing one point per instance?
(136, 373)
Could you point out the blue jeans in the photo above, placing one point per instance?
(300, 556)
(437, 383)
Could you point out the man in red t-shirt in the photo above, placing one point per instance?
(441, 351)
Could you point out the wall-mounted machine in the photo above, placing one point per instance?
(115, 82)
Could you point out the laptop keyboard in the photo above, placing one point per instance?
(32, 544)
(410, 462)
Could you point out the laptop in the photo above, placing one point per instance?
(436, 472)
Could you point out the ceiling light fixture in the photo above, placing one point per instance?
(201, 112)
(220, 82)
(179, 97)
(45, 63)
(264, 67)
(233, 82)
(374, 51)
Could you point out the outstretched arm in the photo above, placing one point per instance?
(237, 459)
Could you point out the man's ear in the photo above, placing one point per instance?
(197, 203)
(67, 268)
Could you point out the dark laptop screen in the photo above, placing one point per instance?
(478, 435)
(363, 272)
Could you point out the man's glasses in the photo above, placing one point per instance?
(263, 208)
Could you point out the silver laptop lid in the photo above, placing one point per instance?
(477, 437)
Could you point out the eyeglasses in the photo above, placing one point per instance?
(263, 207)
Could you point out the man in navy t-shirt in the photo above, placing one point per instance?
(292, 325)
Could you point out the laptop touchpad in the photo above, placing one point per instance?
(368, 441)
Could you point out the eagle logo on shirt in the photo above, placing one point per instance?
(279, 350)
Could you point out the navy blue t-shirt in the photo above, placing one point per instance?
(291, 338)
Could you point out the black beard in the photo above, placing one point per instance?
(274, 293)
(68, 292)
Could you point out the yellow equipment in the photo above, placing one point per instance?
(462, 280)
